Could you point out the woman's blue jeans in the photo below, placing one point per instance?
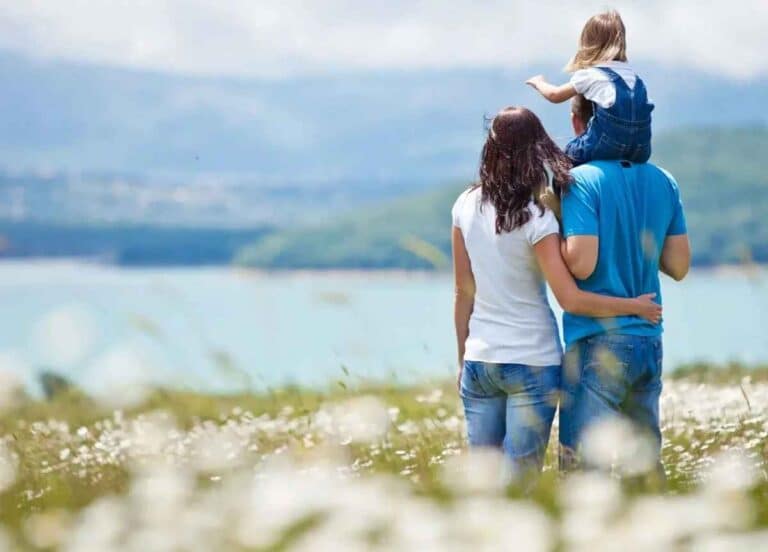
(510, 406)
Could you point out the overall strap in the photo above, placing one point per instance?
(614, 76)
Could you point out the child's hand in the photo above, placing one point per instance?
(555, 94)
(549, 199)
(536, 81)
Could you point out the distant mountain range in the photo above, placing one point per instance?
(93, 159)
(368, 130)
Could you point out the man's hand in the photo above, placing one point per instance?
(459, 373)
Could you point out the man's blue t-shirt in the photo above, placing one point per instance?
(632, 209)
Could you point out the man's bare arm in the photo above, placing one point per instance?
(580, 254)
(676, 256)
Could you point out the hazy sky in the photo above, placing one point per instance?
(288, 37)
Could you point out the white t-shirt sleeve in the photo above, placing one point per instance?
(582, 79)
(540, 226)
(595, 86)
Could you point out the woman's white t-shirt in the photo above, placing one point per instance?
(511, 322)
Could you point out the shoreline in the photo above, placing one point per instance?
(73, 262)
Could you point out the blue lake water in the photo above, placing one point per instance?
(219, 328)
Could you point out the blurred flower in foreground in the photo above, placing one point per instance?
(497, 524)
(659, 522)
(158, 494)
(218, 449)
(614, 443)
(9, 461)
(148, 437)
(282, 497)
(482, 470)
(99, 527)
(359, 420)
(727, 543)
(730, 473)
(48, 529)
(590, 500)
(11, 385)
(120, 378)
(65, 335)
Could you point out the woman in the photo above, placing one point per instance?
(503, 240)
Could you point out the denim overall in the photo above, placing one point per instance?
(621, 132)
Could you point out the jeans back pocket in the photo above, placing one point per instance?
(474, 381)
(607, 364)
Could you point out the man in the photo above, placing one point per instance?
(622, 224)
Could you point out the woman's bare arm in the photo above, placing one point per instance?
(464, 300)
(576, 301)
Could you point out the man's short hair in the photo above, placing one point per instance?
(582, 108)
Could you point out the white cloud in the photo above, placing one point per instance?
(279, 37)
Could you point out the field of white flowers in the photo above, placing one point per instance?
(376, 468)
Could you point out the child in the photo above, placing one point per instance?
(621, 125)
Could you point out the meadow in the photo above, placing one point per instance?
(363, 466)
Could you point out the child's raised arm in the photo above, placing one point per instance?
(555, 94)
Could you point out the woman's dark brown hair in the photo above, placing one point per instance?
(514, 164)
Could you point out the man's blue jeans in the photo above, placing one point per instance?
(609, 375)
(510, 406)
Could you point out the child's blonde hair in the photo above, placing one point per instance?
(602, 39)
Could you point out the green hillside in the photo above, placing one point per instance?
(723, 177)
(721, 173)
(410, 233)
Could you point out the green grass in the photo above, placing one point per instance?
(725, 374)
(72, 452)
